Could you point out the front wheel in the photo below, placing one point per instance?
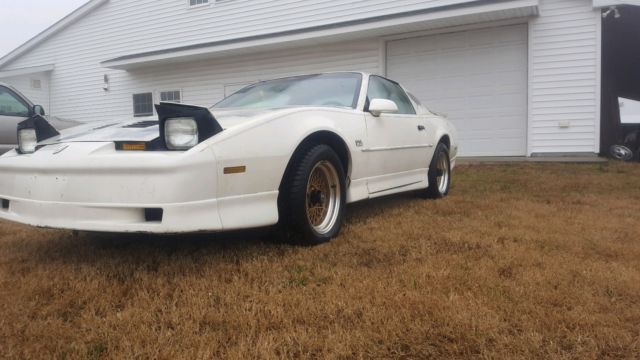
(439, 173)
(313, 197)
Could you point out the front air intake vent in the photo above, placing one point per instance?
(5, 204)
(141, 124)
(153, 214)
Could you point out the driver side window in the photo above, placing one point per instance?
(381, 88)
(11, 105)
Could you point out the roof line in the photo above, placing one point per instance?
(27, 70)
(458, 4)
(51, 30)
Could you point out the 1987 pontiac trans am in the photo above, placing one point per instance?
(289, 151)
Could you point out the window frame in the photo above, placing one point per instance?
(368, 100)
(20, 100)
(417, 103)
(197, 6)
(179, 91)
(133, 98)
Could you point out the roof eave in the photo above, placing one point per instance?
(378, 27)
(27, 71)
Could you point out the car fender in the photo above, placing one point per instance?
(254, 159)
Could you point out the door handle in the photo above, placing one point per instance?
(421, 128)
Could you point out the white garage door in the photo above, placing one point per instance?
(478, 78)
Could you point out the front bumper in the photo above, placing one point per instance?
(92, 187)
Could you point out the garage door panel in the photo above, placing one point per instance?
(461, 86)
(464, 66)
(454, 41)
(477, 77)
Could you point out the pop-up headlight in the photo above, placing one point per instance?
(32, 131)
(180, 133)
(185, 126)
(27, 141)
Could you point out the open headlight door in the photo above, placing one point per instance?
(32, 131)
(181, 133)
(185, 126)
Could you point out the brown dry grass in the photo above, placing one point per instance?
(521, 261)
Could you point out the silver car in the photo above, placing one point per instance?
(14, 108)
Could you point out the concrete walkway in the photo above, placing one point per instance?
(533, 159)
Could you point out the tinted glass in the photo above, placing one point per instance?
(380, 88)
(337, 90)
(417, 102)
(11, 105)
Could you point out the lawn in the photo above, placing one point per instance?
(520, 261)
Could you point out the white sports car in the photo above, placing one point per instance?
(289, 151)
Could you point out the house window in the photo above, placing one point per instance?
(198, 2)
(174, 96)
(143, 104)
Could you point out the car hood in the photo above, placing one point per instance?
(61, 123)
(143, 129)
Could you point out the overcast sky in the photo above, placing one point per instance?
(20, 20)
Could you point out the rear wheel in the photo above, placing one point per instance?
(439, 173)
(312, 197)
(621, 152)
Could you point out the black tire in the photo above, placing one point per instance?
(295, 226)
(435, 190)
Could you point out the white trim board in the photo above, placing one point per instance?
(467, 14)
(27, 71)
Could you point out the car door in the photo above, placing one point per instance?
(397, 143)
(13, 109)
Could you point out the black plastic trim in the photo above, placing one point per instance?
(208, 126)
(153, 214)
(44, 130)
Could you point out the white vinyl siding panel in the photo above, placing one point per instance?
(564, 77)
(477, 77)
(122, 27)
(201, 82)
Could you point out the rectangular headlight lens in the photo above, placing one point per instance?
(27, 141)
(181, 133)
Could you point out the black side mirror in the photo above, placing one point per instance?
(37, 110)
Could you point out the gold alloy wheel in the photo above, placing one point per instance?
(323, 197)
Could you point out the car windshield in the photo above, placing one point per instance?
(337, 90)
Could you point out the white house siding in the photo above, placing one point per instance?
(121, 27)
(76, 89)
(204, 82)
(564, 78)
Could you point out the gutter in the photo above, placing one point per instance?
(457, 9)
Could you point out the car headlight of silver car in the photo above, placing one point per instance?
(27, 140)
(181, 133)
